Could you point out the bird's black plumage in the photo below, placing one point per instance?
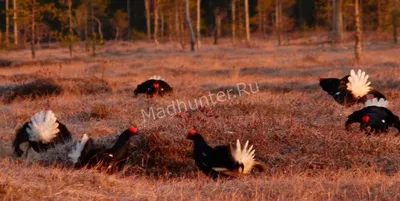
(153, 87)
(206, 158)
(337, 88)
(113, 158)
(374, 119)
(91, 155)
(22, 136)
(117, 155)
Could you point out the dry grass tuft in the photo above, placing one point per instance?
(5, 63)
(36, 89)
(100, 111)
(81, 86)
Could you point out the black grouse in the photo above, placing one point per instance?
(351, 89)
(114, 158)
(374, 117)
(155, 85)
(223, 160)
(42, 132)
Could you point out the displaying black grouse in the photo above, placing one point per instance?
(351, 89)
(155, 85)
(114, 158)
(44, 131)
(222, 159)
(374, 117)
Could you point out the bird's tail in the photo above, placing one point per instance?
(77, 150)
(260, 166)
(378, 103)
(43, 127)
(358, 83)
(244, 156)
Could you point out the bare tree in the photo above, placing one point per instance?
(189, 24)
(395, 13)
(155, 36)
(99, 29)
(70, 27)
(233, 7)
(240, 19)
(358, 30)
(128, 5)
(198, 23)
(93, 33)
(219, 14)
(379, 15)
(120, 23)
(246, 7)
(148, 22)
(86, 27)
(337, 21)
(33, 29)
(7, 25)
(278, 20)
(176, 11)
(162, 24)
(15, 23)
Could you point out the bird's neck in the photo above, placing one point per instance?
(122, 140)
(200, 143)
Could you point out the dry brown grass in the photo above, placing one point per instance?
(298, 131)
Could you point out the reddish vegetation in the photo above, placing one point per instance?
(296, 128)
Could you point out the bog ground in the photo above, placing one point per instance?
(297, 129)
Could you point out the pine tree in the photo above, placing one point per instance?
(128, 8)
(395, 13)
(198, 23)
(358, 53)
(148, 16)
(189, 24)
(233, 7)
(70, 27)
(155, 36)
(15, 23)
(7, 24)
(337, 21)
(278, 20)
(246, 7)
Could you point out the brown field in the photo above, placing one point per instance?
(297, 129)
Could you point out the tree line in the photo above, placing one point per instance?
(35, 22)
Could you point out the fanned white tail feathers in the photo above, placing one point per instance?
(379, 103)
(244, 156)
(358, 83)
(156, 77)
(43, 127)
(77, 150)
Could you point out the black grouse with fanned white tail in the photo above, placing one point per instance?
(223, 160)
(155, 85)
(42, 132)
(351, 89)
(86, 153)
(375, 117)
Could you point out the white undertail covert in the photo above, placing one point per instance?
(244, 156)
(358, 83)
(378, 103)
(43, 127)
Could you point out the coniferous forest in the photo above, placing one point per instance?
(27, 22)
